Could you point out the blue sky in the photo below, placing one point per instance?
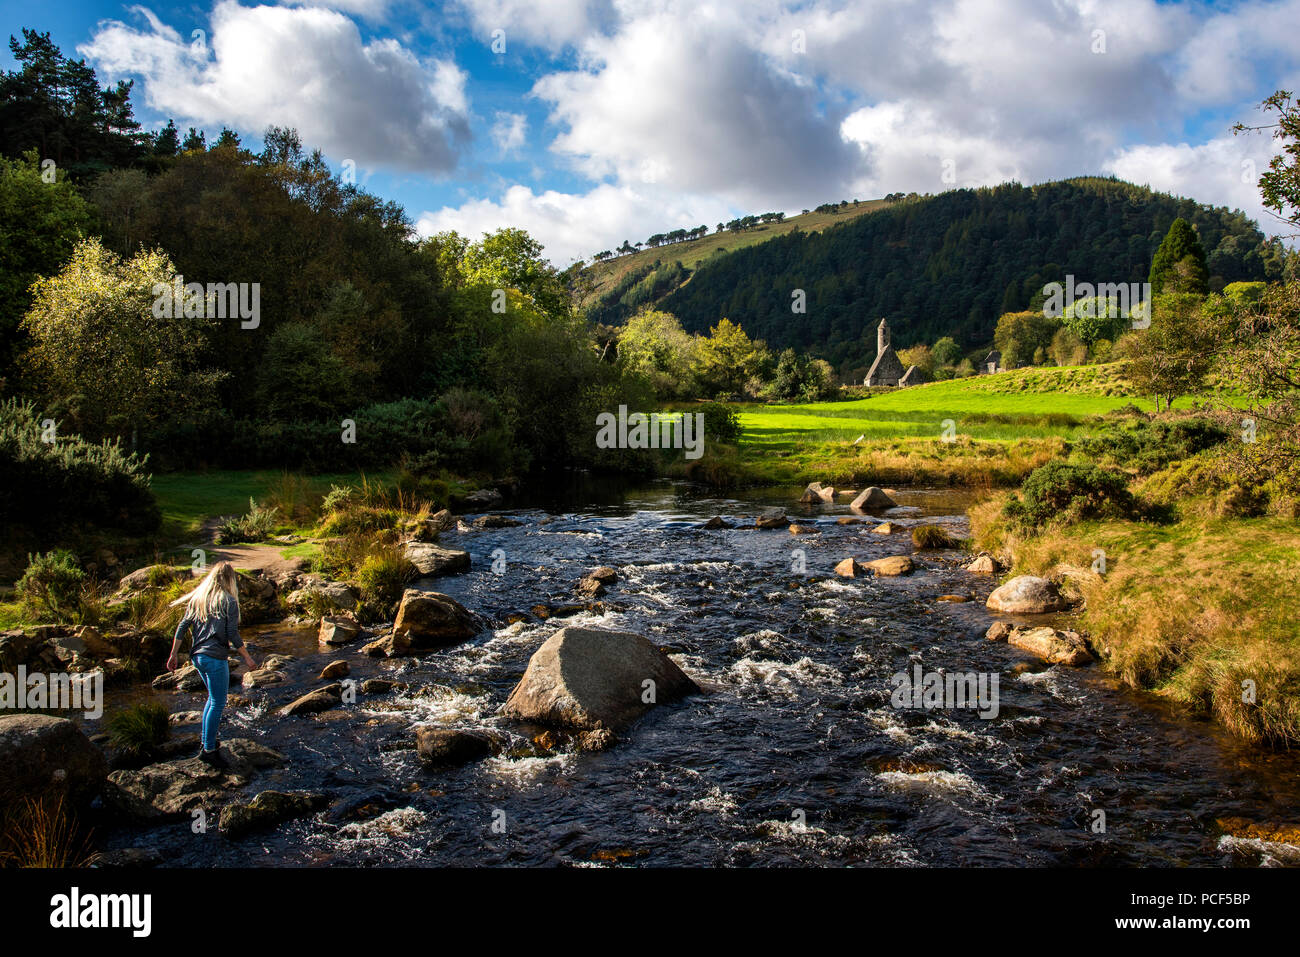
(592, 121)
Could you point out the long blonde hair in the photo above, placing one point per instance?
(215, 592)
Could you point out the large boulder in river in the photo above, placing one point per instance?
(1027, 595)
(42, 755)
(873, 498)
(432, 560)
(588, 679)
(772, 518)
(172, 789)
(430, 619)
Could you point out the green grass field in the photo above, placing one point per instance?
(187, 499)
(1022, 404)
(604, 276)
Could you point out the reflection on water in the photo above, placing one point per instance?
(795, 754)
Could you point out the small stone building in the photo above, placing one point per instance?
(992, 363)
(887, 369)
(913, 376)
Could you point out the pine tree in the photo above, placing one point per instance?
(1180, 262)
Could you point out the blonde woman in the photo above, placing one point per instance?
(212, 619)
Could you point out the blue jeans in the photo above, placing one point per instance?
(215, 673)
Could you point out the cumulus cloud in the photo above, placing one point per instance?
(681, 98)
(1223, 171)
(509, 131)
(576, 225)
(306, 67)
(552, 25)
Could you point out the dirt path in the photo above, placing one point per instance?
(267, 558)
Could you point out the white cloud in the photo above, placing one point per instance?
(509, 131)
(553, 24)
(682, 98)
(306, 67)
(1222, 172)
(576, 225)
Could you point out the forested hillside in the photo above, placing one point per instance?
(949, 265)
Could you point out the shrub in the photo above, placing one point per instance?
(721, 423)
(136, 731)
(51, 586)
(383, 575)
(1064, 492)
(256, 526)
(79, 485)
(1148, 446)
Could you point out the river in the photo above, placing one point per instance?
(795, 754)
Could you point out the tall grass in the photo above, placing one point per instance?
(136, 731)
(43, 833)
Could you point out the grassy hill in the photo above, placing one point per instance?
(604, 277)
(943, 265)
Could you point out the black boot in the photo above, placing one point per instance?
(213, 758)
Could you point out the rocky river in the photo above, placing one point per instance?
(794, 754)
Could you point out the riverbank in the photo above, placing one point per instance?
(1201, 611)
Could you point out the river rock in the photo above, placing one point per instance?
(178, 718)
(153, 576)
(716, 522)
(482, 497)
(322, 699)
(439, 522)
(430, 619)
(772, 518)
(804, 530)
(817, 492)
(1027, 595)
(43, 755)
(848, 520)
(172, 789)
(390, 646)
(381, 686)
(885, 528)
(96, 645)
(850, 568)
(258, 599)
(339, 629)
(266, 810)
(19, 648)
(443, 747)
(335, 670)
(873, 498)
(432, 560)
(184, 678)
(588, 678)
(495, 521)
(891, 566)
(333, 594)
(263, 677)
(984, 564)
(594, 582)
(1054, 647)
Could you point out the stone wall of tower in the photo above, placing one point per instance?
(882, 337)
